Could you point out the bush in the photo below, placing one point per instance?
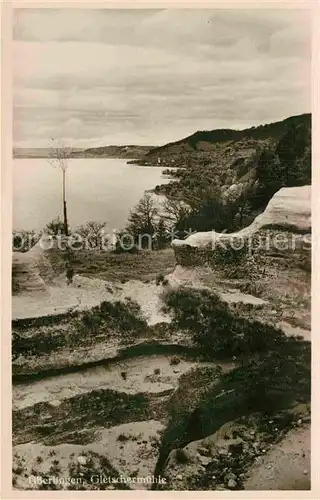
(22, 241)
(182, 456)
(123, 316)
(123, 243)
(55, 227)
(175, 360)
(226, 255)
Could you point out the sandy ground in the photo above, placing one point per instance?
(136, 456)
(132, 450)
(245, 298)
(195, 277)
(286, 466)
(148, 297)
(60, 298)
(89, 292)
(291, 330)
(140, 377)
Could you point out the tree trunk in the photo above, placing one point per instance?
(65, 218)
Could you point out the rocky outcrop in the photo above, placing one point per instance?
(31, 271)
(289, 209)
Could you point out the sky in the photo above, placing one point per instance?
(88, 77)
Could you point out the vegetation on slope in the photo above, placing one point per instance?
(80, 328)
(201, 139)
(216, 328)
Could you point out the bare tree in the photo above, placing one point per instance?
(93, 233)
(142, 218)
(175, 210)
(59, 158)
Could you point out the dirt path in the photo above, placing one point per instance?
(85, 293)
(286, 467)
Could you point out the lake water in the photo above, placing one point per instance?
(97, 189)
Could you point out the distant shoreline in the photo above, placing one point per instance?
(129, 152)
(129, 161)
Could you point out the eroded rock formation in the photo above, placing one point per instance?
(31, 271)
(288, 210)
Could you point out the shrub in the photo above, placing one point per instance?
(227, 254)
(124, 244)
(91, 320)
(159, 279)
(125, 317)
(122, 437)
(175, 360)
(18, 470)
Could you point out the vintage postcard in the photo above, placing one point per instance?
(158, 201)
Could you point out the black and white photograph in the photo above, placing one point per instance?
(161, 248)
